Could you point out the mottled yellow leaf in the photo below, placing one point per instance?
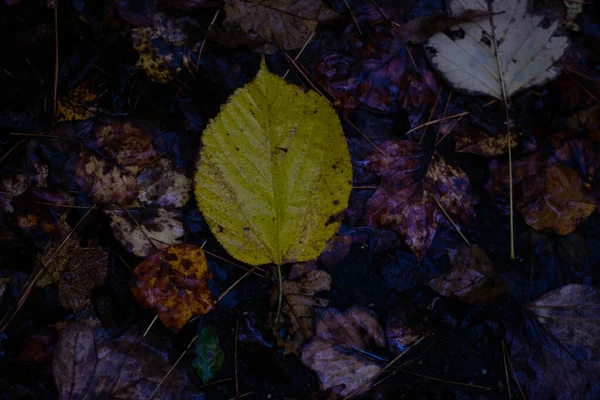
(274, 173)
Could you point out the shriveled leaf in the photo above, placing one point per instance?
(155, 229)
(285, 22)
(74, 269)
(274, 173)
(556, 351)
(166, 46)
(298, 310)
(174, 283)
(338, 352)
(90, 363)
(472, 279)
(160, 184)
(528, 51)
(418, 30)
(485, 145)
(574, 8)
(555, 200)
(209, 354)
(75, 105)
(402, 201)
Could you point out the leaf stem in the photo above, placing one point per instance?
(280, 297)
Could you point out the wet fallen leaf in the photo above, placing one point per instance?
(89, 362)
(336, 249)
(285, 22)
(483, 144)
(402, 202)
(528, 50)
(555, 350)
(399, 334)
(555, 200)
(174, 283)
(160, 184)
(118, 150)
(166, 46)
(274, 173)
(472, 279)
(155, 229)
(379, 74)
(300, 299)
(75, 270)
(418, 30)
(75, 105)
(209, 354)
(339, 351)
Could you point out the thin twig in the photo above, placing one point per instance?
(353, 17)
(215, 383)
(24, 294)
(12, 149)
(251, 270)
(150, 326)
(578, 72)
(437, 134)
(435, 121)
(241, 395)
(514, 373)
(582, 87)
(506, 371)
(449, 219)
(230, 288)
(235, 358)
(56, 64)
(365, 137)
(312, 35)
(437, 98)
(433, 378)
(173, 367)
(204, 40)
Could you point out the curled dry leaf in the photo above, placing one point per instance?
(143, 232)
(166, 46)
(338, 352)
(472, 279)
(556, 349)
(89, 362)
(174, 283)
(403, 203)
(285, 22)
(527, 53)
(298, 309)
(555, 200)
(75, 270)
(274, 173)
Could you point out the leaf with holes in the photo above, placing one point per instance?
(274, 173)
(528, 49)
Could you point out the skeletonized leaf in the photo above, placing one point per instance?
(274, 174)
(528, 50)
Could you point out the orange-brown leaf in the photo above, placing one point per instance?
(174, 283)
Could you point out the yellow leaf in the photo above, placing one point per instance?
(274, 173)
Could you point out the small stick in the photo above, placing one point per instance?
(437, 134)
(312, 35)
(513, 372)
(364, 187)
(449, 219)
(252, 270)
(235, 358)
(230, 288)
(435, 121)
(204, 40)
(12, 149)
(575, 71)
(353, 17)
(582, 87)
(437, 98)
(173, 367)
(56, 64)
(446, 381)
(149, 326)
(365, 137)
(241, 395)
(506, 371)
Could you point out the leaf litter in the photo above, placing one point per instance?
(367, 59)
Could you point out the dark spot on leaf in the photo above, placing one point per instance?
(170, 257)
(486, 40)
(247, 229)
(186, 264)
(455, 34)
(336, 202)
(285, 150)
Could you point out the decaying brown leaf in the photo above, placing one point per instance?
(75, 270)
(160, 184)
(399, 334)
(485, 145)
(472, 279)
(174, 283)
(556, 348)
(285, 22)
(89, 362)
(76, 104)
(556, 200)
(337, 352)
(142, 232)
(298, 309)
(402, 202)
